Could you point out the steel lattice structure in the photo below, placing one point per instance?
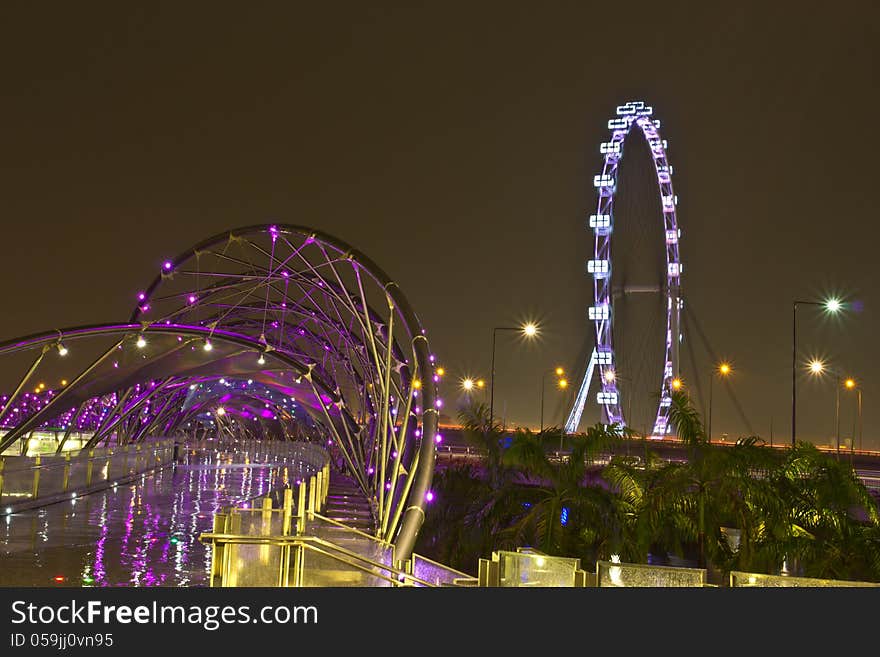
(600, 268)
(268, 330)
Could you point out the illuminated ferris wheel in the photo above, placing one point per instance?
(636, 285)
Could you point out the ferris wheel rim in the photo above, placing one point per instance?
(632, 114)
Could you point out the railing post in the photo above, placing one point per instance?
(301, 508)
(220, 520)
(326, 480)
(2, 465)
(312, 482)
(489, 573)
(297, 558)
(319, 490)
(65, 483)
(267, 515)
(36, 485)
(287, 512)
(89, 468)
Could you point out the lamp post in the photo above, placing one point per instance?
(722, 370)
(832, 306)
(851, 384)
(861, 426)
(837, 412)
(562, 383)
(817, 367)
(529, 330)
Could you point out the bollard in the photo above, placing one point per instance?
(89, 468)
(65, 482)
(36, 486)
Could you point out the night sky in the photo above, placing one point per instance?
(456, 146)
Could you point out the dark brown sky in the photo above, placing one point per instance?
(456, 144)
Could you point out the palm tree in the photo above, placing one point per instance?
(556, 491)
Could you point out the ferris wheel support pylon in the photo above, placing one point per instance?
(574, 417)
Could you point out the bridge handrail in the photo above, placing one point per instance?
(28, 481)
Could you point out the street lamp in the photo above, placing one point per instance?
(561, 383)
(530, 331)
(723, 370)
(831, 306)
(817, 367)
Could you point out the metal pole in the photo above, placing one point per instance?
(492, 383)
(793, 372)
(543, 385)
(711, 381)
(861, 447)
(837, 413)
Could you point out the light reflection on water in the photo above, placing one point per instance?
(140, 534)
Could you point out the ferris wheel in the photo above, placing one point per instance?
(636, 275)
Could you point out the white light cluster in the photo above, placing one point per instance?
(603, 180)
(598, 268)
(606, 397)
(610, 147)
(634, 108)
(672, 236)
(601, 223)
(675, 269)
(618, 124)
(598, 313)
(603, 356)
